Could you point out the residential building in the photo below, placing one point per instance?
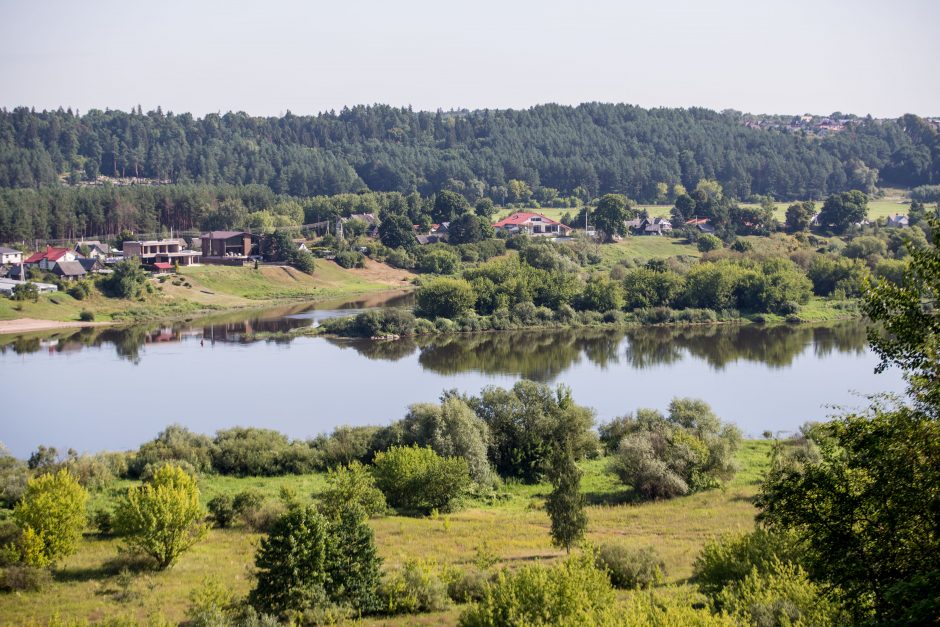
(46, 259)
(9, 255)
(654, 226)
(898, 220)
(95, 249)
(528, 223)
(700, 224)
(172, 251)
(69, 270)
(222, 246)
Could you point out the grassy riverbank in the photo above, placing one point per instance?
(88, 586)
(205, 289)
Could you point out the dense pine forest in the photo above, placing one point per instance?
(556, 151)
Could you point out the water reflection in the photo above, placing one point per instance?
(544, 355)
(236, 327)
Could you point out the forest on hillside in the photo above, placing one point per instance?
(555, 150)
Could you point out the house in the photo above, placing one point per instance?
(222, 246)
(69, 270)
(898, 221)
(161, 251)
(654, 226)
(700, 224)
(430, 239)
(634, 224)
(440, 229)
(46, 259)
(92, 264)
(9, 255)
(525, 222)
(372, 223)
(96, 250)
(162, 267)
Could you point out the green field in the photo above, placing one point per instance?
(87, 586)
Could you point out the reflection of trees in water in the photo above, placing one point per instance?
(539, 355)
(536, 355)
(389, 350)
(720, 345)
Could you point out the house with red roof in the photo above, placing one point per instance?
(529, 223)
(47, 259)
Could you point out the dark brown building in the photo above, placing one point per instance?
(225, 245)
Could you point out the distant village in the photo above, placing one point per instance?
(234, 248)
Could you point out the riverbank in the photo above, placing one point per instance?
(203, 291)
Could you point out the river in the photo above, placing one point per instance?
(106, 388)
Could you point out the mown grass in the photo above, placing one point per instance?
(278, 282)
(87, 586)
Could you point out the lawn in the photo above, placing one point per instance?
(87, 585)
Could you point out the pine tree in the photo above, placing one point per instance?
(565, 504)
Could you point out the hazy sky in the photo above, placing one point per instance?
(793, 56)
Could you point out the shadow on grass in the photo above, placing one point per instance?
(621, 497)
(130, 562)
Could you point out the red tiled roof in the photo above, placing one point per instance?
(52, 254)
(162, 265)
(523, 217)
(694, 221)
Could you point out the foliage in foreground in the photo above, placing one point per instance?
(163, 517)
(573, 592)
(308, 561)
(51, 517)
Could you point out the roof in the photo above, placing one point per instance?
(9, 251)
(696, 221)
(161, 265)
(50, 254)
(69, 268)
(222, 234)
(89, 264)
(523, 217)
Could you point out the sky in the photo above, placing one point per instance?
(268, 57)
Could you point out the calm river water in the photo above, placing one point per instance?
(111, 389)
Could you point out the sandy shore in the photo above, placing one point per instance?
(28, 325)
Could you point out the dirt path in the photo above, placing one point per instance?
(28, 325)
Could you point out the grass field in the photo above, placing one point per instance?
(208, 288)
(87, 585)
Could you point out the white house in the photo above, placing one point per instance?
(9, 255)
(526, 222)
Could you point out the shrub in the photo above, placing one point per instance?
(350, 259)
(574, 592)
(419, 480)
(79, 290)
(445, 298)
(162, 518)
(524, 420)
(601, 294)
(173, 444)
(307, 561)
(466, 586)
(52, 516)
(210, 605)
(415, 587)
(781, 596)
(707, 242)
(344, 446)
(259, 452)
(438, 261)
(222, 509)
(104, 521)
(383, 322)
(452, 430)
(630, 568)
(352, 485)
(13, 476)
(730, 558)
(664, 457)
(22, 578)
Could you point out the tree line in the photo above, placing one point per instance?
(506, 155)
